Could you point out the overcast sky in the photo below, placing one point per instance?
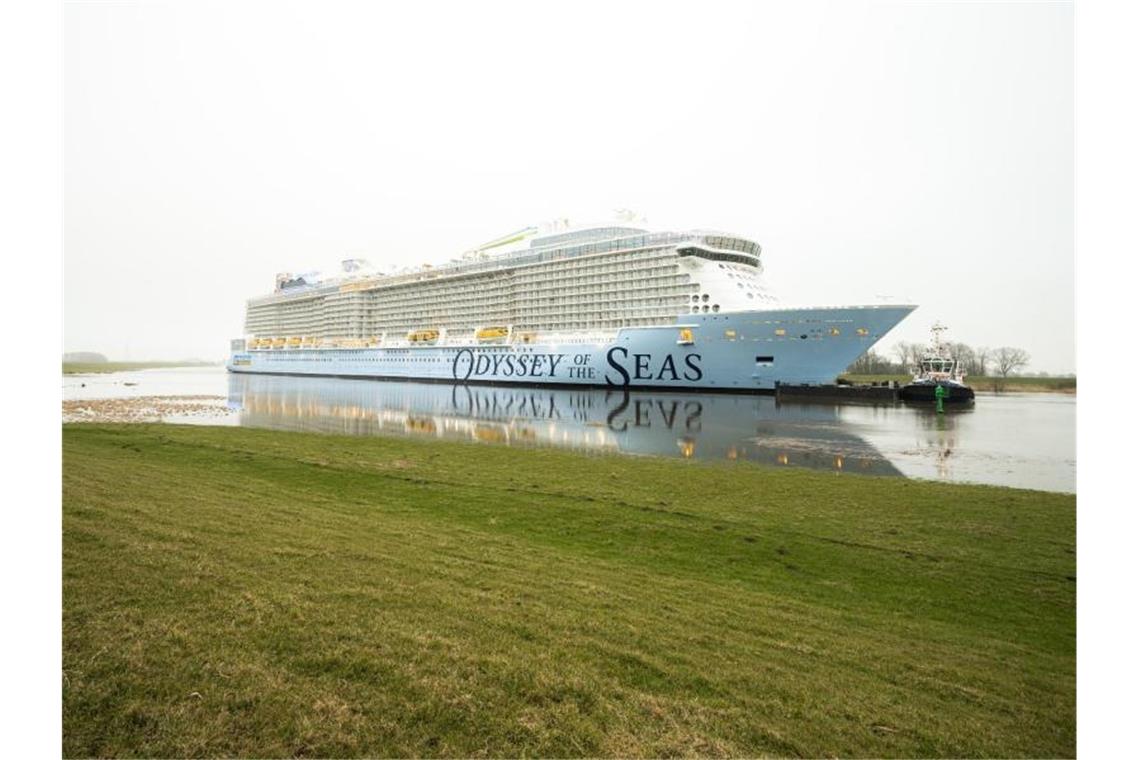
(920, 152)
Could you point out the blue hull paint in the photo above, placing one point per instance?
(730, 351)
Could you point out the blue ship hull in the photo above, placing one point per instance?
(741, 351)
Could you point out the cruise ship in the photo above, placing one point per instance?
(595, 305)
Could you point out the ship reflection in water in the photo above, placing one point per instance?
(688, 425)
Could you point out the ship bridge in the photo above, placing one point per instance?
(735, 250)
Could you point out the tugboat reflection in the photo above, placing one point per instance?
(692, 426)
(937, 435)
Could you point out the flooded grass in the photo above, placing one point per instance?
(146, 409)
(245, 592)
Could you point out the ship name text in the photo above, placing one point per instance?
(622, 368)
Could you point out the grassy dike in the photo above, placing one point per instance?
(256, 593)
(102, 368)
(983, 383)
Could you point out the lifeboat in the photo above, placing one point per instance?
(279, 343)
(491, 333)
(293, 342)
(423, 336)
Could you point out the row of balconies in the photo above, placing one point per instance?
(459, 308)
(537, 308)
(596, 321)
(616, 261)
(354, 302)
(482, 302)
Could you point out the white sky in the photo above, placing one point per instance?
(922, 151)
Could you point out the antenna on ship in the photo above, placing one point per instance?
(628, 215)
(936, 331)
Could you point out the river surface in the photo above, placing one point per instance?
(1027, 440)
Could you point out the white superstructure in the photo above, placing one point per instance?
(595, 278)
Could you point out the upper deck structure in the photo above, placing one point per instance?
(591, 279)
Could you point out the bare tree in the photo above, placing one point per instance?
(917, 350)
(908, 354)
(976, 361)
(981, 356)
(902, 351)
(871, 363)
(862, 365)
(964, 355)
(1009, 359)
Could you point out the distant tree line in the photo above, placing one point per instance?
(979, 361)
(84, 356)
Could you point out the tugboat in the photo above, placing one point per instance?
(937, 369)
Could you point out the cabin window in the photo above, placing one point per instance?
(765, 359)
(781, 331)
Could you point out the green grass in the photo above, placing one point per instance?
(240, 592)
(989, 383)
(75, 368)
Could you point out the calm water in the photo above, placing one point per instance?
(1024, 440)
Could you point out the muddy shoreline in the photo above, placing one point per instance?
(146, 409)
